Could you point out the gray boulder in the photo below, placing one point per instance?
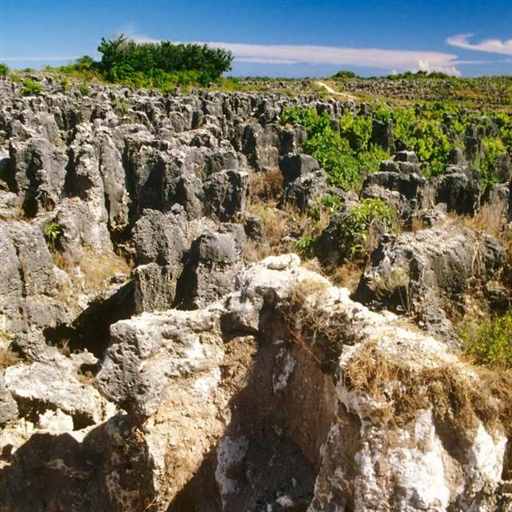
(8, 406)
(225, 194)
(55, 385)
(428, 273)
(149, 355)
(306, 189)
(294, 166)
(37, 173)
(413, 187)
(28, 284)
(161, 242)
(212, 263)
(459, 190)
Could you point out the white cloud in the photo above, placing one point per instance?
(502, 47)
(37, 59)
(140, 38)
(399, 60)
(368, 57)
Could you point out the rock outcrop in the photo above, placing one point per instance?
(260, 400)
(430, 272)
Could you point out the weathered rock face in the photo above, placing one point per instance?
(286, 420)
(161, 242)
(399, 182)
(430, 271)
(29, 285)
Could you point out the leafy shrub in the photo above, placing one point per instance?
(354, 226)
(410, 75)
(357, 130)
(53, 232)
(331, 202)
(64, 83)
(493, 150)
(31, 88)
(84, 89)
(4, 70)
(431, 130)
(122, 59)
(490, 341)
(344, 75)
(343, 151)
(163, 65)
(85, 63)
(305, 245)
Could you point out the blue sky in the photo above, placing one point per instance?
(275, 37)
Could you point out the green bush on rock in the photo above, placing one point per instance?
(31, 88)
(490, 341)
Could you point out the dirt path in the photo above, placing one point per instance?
(332, 91)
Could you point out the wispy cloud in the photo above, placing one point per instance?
(502, 47)
(377, 58)
(37, 59)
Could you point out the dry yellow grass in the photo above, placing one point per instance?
(98, 269)
(7, 356)
(91, 274)
(458, 394)
(317, 331)
(346, 275)
(282, 227)
(94, 270)
(265, 185)
(491, 219)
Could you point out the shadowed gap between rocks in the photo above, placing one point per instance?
(280, 430)
(90, 330)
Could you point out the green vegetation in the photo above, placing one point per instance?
(31, 88)
(426, 129)
(493, 150)
(162, 65)
(305, 246)
(344, 75)
(490, 341)
(4, 70)
(348, 149)
(53, 233)
(354, 227)
(84, 89)
(343, 150)
(410, 75)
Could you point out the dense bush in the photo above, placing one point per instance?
(163, 65)
(490, 341)
(493, 149)
(343, 75)
(125, 60)
(411, 75)
(4, 70)
(343, 150)
(354, 226)
(31, 88)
